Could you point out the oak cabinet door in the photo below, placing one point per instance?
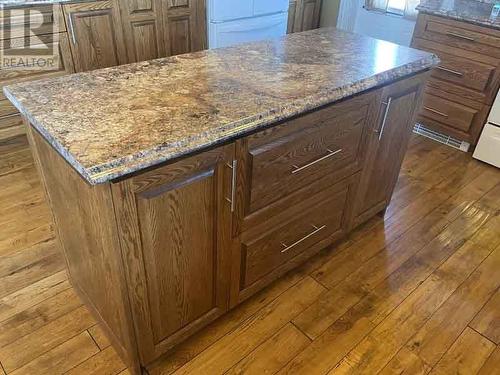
(96, 35)
(387, 147)
(175, 224)
(185, 27)
(143, 28)
(304, 15)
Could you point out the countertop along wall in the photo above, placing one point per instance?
(392, 28)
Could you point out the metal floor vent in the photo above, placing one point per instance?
(441, 138)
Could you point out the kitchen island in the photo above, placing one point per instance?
(182, 186)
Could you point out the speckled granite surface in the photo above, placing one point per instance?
(476, 12)
(109, 123)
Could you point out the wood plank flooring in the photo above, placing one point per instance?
(415, 292)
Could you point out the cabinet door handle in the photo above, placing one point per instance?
(331, 153)
(72, 28)
(442, 114)
(233, 166)
(384, 120)
(457, 73)
(460, 36)
(289, 247)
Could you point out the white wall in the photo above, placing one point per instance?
(377, 25)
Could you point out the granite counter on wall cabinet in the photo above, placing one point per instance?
(112, 122)
(479, 12)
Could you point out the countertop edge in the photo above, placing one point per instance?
(460, 18)
(103, 173)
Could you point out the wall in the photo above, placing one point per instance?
(355, 18)
(329, 12)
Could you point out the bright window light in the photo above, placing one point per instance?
(396, 6)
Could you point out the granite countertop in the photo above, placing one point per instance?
(112, 122)
(479, 12)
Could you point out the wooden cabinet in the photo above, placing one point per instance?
(184, 23)
(161, 253)
(11, 124)
(143, 27)
(464, 85)
(96, 35)
(158, 28)
(387, 146)
(303, 15)
(178, 224)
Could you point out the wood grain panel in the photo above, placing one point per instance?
(302, 151)
(178, 222)
(388, 144)
(33, 20)
(143, 29)
(87, 232)
(96, 35)
(458, 34)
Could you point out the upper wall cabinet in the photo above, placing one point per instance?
(95, 34)
(303, 15)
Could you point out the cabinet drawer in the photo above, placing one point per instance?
(37, 20)
(6, 108)
(462, 118)
(459, 35)
(295, 233)
(302, 151)
(11, 126)
(62, 65)
(468, 73)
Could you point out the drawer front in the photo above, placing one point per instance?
(6, 108)
(460, 35)
(34, 20)
(11, 126)
(468, 73)
(323, 218)
(62, 64)
(305, 150)
(450, 113)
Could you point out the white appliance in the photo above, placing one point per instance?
(488, 147)
(231, 22)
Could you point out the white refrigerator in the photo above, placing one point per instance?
(488, 147)
(231, 22)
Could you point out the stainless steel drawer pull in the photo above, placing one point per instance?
(436, 112)
(386, 114)
(316, 230)
(72, 29)
(450, 71)
(330, 154)
(460, 36)
(233, 166)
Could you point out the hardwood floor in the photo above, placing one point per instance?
(414, 292)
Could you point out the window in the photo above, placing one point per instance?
(404, 8)
(396, 7)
